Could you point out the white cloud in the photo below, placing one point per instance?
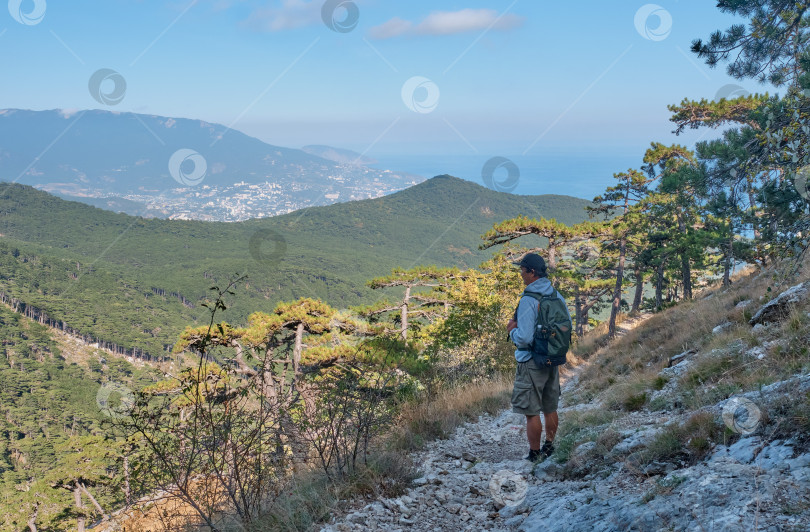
(223, 5)
(447, 23)
(291, 15)
(450, 22)
(392, 28)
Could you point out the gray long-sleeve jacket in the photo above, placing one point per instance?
(523, 334)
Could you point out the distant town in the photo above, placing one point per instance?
(243, 200)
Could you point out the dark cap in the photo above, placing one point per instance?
(533, 262)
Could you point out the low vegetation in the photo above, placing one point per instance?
(687, 443)
(311, 498)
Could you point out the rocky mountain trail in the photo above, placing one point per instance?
(478, 479)
(473, 480)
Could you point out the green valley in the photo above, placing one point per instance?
(137, 282)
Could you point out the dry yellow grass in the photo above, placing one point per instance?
(437, 416)
(623, 373)
(643, 351)
(595, 339)
(164, 512)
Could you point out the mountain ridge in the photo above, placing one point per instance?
(177, 167)
(338, 155)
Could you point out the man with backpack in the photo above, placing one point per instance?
(541, 332)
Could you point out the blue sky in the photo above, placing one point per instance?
(511, 77)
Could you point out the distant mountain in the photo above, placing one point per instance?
(175, 167)
(112, 203)
(137, 282)
(338, 155)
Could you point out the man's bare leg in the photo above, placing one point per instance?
(552, 421)
(534, 430)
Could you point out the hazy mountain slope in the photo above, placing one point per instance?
(97, 154)
(112, 203)
(338, 155)
(116, 151)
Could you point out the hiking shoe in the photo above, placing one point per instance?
(534, 455)
(546, 450)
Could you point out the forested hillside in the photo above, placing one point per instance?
(51, 424)
(136, 282)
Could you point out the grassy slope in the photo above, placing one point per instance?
(624, 376)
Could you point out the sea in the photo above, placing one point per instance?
(582, 175)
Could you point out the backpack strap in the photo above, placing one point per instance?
(541, 297)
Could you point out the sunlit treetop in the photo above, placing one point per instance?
(736, 111)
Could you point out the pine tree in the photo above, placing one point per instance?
(414, 304)
(555, 235)
(681, 184)
(773, 48)
(620, 205)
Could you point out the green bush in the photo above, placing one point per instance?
(635, 402)
(688, 442)
(658, 404)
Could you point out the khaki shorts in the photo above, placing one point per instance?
(536, 389)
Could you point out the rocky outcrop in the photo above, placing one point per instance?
(728, 491)
(752, 483)
(779, 308)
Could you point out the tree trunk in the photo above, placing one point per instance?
(753, 206)
(552, 255)
(77, 497)
(578, 311)
(269, 385)
(32, 521)
(92, 500)
(639, 290)
(729, 259)
(617, 291)
(659, 285)
(299, 347)
(127, 488)
(686, 268)
(404, 314)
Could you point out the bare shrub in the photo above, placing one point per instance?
(216, 437)
(342, 410)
